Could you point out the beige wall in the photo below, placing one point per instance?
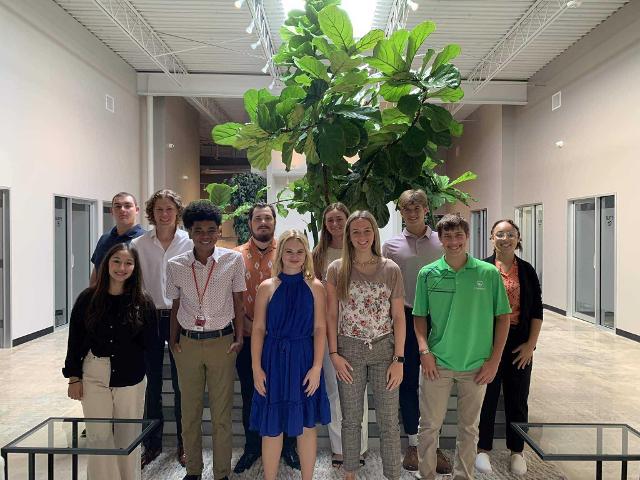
(177, 123)
(599, 123)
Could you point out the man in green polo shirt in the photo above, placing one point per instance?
(465, 298)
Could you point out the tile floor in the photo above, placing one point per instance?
(581, 374)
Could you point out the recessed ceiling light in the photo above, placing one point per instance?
(361, 18)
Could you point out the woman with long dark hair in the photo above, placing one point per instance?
(514, 373)
(109, 329)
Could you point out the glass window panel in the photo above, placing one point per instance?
(584, 258)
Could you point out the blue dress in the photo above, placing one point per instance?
(287, 356)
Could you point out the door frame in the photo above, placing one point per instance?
(93, 229)
(5, 244)
(571, 284)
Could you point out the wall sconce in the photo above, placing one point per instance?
(560, 143)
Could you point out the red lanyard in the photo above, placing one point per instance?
(201, 297)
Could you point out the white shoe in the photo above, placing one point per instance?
(483, 463)
(518, 464)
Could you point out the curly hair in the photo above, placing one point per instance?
(200, 210)
(164, 193)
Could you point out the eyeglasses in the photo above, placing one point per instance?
(503, 235)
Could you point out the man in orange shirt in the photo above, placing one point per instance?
(258, 254)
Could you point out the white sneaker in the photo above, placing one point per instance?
(483, 463)
(518, 464)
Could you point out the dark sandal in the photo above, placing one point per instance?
(362, 462)
(335, 463)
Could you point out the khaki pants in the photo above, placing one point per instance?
(434, 396)
(101, 401)
(206, 363)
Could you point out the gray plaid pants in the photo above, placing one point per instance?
(369, 366)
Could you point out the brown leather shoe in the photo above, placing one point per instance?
(148, 456)
(410, 461)
(182, 457)
(443, 467)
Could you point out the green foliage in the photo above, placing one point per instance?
(236, 197)
(330, 108)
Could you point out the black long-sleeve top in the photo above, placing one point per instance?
(530, 297)
(113, 337)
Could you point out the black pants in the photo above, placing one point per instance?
(153, 400)
(409, 404)
(253, 441)
(515, 386)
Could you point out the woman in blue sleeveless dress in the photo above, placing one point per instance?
(287, 347)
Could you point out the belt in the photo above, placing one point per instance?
(164, 312)
(228, 330)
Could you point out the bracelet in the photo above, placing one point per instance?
(71, 383)
(332, 353)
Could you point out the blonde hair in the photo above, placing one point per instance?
(307, 268)
(348, 251)
(320, 250)
(418, 197)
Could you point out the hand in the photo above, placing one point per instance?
(260, 381)
(394, 375)
(343, 369)
(175, 347)
(429, 368)
(75, 390)
(312, 380)
(525, 355)
(236, 346)
(487, 372)
(247, 326)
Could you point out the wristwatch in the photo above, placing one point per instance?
(398, 359)
(426, 351)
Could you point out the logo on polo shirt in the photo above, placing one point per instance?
(479, 285)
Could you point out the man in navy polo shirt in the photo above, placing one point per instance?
(124, 208)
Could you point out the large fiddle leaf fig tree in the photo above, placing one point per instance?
(360, 110)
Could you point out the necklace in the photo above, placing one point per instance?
(371, 261)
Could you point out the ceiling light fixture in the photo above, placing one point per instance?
(238, 3)
(574, 3)
(272, 84)
(249, 29)
(361, 18)
(255, 44)
(412, 5)
(265, 69)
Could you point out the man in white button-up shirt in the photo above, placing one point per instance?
(155, 248)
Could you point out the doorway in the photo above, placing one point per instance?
(529, 219)
(592, 222)
(479, 235)
(74, 236)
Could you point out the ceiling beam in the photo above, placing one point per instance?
(397, 17)
(261, 25)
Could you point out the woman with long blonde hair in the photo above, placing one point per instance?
(366, 324)
(287, 346)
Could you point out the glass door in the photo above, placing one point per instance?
(107, 219)
(80, 246)
(5, 334)
(529, 219)
(593, 292)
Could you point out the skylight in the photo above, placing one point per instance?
(361, 18)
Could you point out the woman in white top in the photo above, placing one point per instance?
(328, 249)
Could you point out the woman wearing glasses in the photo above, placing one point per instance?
(514, 374)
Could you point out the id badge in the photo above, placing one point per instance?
(200, 320)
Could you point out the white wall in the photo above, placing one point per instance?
(599, 123)
(56, 138)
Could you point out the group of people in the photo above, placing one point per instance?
(307, 333)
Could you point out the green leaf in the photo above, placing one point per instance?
(349, 82)
(414, 141)
(425, 60)
(444, 76)
(325, 47)
(296, 116)
(351, 133)
(287, 31)
(448, 94)
(282, 210)
(315, 92)
(409, 104)
(342, 62)
(259, 155)
(285, 107)
(249, 135)
(226, 134)
(310, 151)
(394, 94)
(399, 39)
(455, 128)
(303, 79)
(445, 55)
(394, 116)
(287, 155)
(335, 24)
(292, 91)
(417, 37)
(252, 98)
(439, 118)
(220, 194)
(465, 177)
(386, 58)
(369, 40)
(265, 120)
(331, 144)
(313, 67)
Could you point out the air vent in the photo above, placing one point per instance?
(556, 101)
(109, 103)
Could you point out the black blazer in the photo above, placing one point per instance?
(530, 297)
